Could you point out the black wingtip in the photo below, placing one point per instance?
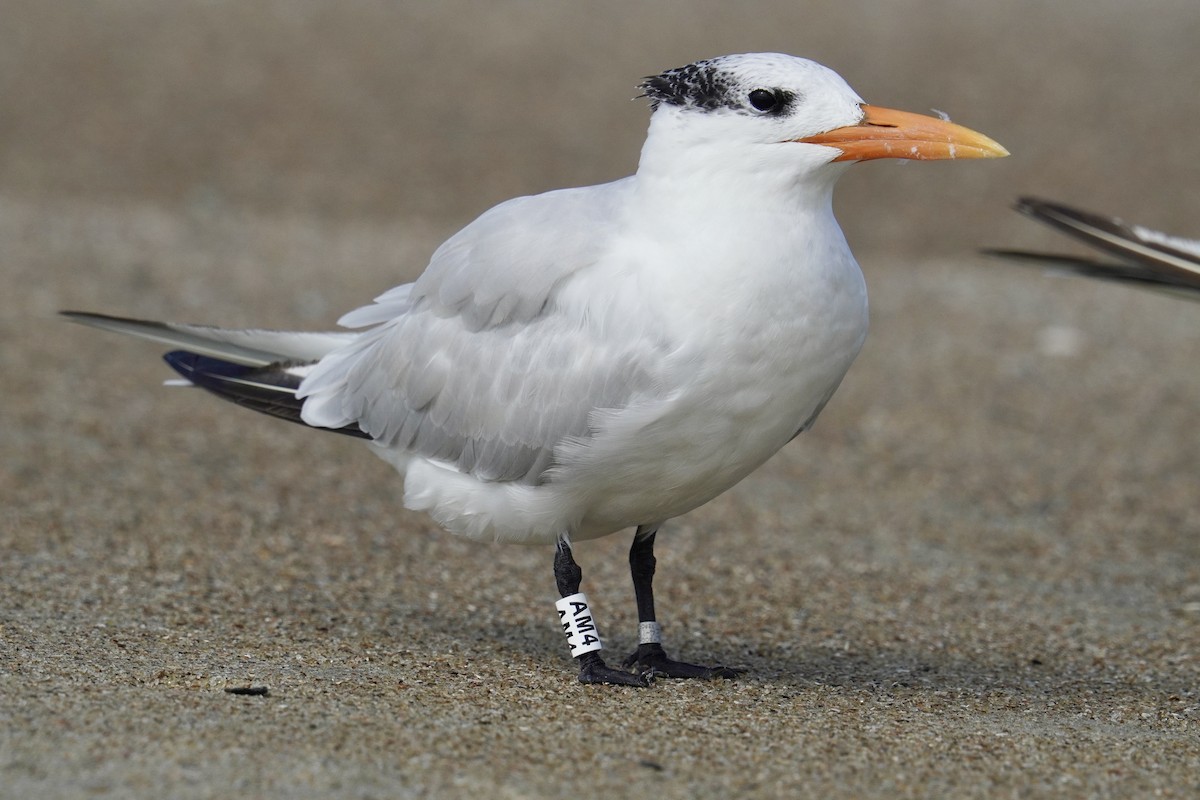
(1064, 217)
(204, 370)
(268, 390)
(1025, 204)
(242, 384)
(1028, 201)
(183, 362)
(1041, 209)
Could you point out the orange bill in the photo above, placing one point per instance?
(887, 133)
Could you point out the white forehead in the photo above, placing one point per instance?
(784, 71)
(723, 82)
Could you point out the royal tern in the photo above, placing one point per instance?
(1150, 258)
(596, 359)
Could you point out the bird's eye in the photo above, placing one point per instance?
(764, 100)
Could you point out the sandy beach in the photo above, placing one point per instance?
(977, 576)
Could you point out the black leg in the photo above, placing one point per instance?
(592, 668)
(650, 654)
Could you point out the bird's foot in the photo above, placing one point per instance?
(592, 669)
(652, 659)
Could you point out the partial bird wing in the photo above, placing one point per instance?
(476, 365)
(504, 266)
(257, 369)
(1151, 259)
(250, 347)
(270, 389)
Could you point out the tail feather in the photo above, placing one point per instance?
(251, 347)
(269, 389)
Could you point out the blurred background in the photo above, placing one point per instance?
(1006, 478)
(401, 112)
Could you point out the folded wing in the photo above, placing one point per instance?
(478, 364)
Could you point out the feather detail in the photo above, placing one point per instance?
(1149, 258)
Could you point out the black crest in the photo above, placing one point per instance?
(701, 85)
(704, 85)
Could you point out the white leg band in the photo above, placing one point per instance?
(649, 633)
(576, 619)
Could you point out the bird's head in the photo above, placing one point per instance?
(767, 98)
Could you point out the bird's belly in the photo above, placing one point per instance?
(748, 364)
(716, 431)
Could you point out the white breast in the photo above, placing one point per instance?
(746, 317)
(758, 356)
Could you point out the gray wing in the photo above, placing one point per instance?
(252, 347)
(475, 364)
(505, 265)
(1148, 258)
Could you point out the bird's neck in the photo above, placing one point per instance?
(710, 178)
